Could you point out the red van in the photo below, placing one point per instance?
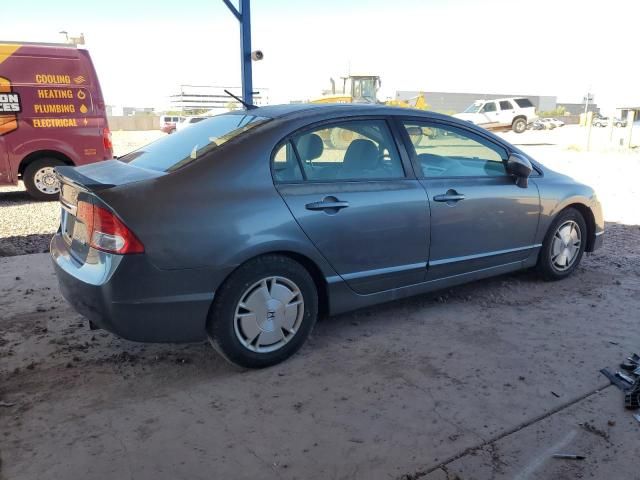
(51, 113)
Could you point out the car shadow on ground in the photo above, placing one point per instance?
(17, 197)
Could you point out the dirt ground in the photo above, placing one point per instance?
(487, 380)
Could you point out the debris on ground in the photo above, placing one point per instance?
(628, 382)
(568, 456)
(595, 430)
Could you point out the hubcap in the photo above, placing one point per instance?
(566, 245)
(269, 314)
(46, 181)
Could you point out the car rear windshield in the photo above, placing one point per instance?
(524, 102)
(179, 149)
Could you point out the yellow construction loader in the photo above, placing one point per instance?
(362, 89)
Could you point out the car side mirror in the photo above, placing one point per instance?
(520, 167)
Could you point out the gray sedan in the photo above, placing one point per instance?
(246, 226)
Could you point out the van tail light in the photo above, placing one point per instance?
(106, 140)
(106, 232)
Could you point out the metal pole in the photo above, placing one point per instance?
(244, 17)
(586, 106)
(245, 48)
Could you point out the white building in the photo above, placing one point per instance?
(191, 98)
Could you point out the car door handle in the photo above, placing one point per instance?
(327, 205)
(449, 197)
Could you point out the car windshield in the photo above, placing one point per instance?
(177, 150)
(473, 108)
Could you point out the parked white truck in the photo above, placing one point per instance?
(501, 114)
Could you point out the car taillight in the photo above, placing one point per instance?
(106, 139)
(106, 232)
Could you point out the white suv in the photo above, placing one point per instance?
(501, 114)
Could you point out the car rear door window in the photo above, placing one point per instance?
(506, 105)
(285, 165)
(349, 150)
(447, 151)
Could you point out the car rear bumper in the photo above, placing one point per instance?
(128, 296)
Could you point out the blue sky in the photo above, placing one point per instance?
(144, 49)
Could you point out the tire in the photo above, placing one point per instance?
(519, 125)
(555, 250)
(40, 181)
(258, 333)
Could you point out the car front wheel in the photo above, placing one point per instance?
(563, 245)
(264, 312)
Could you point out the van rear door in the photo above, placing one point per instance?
(9, 106)
(5, 172)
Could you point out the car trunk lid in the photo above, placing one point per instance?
(85, 184)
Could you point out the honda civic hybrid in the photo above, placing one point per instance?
(247, 226)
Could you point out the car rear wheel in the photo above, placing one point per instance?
(563, 245)
(519, 125)
(263, 312)
(40, 179)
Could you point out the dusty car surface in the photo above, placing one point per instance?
(245, 227)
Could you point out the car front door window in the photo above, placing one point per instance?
(489, 107)
(443, 151)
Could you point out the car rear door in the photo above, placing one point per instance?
(357, 200)
(506, 113)
(479, 218)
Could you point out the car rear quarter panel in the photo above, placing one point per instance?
(216, 213)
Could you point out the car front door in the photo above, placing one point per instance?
(357, 201)
(479, 218)
(490, 115)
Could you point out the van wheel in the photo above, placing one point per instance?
(40, 179)
(263, 312)
(519, 125)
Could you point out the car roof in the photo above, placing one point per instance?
(499, 99)
(295, 110)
